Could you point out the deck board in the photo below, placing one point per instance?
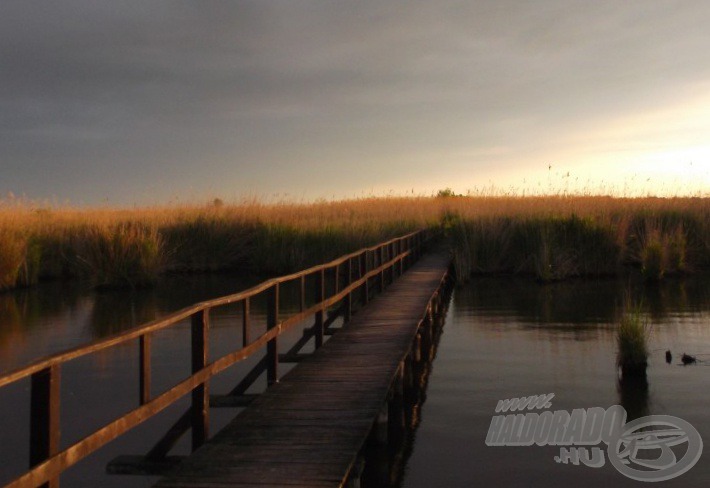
(307, 429)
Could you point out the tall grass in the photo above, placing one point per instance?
(126, 254)
(13, 248)
(550, 238)
(632, 337)
(583, 236)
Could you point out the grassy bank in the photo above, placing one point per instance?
(547, 237)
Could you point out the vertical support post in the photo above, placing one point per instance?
(272, 320)
(417, 347)
(246, 306)
(391, 257)
(44, 418)
(410, 248)
(395, 406)
(402, 249)
(145, 370)
(319, 297)
(201, 394)
(395, 253)
(349, 298)
(303, 293)
(365, 290)
(414, 247)
(382, 272)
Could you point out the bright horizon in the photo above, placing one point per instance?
(151, 103)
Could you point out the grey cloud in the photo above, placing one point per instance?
(136, 84)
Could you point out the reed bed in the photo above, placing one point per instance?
(550, 238)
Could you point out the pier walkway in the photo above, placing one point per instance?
(309, 426)
(308, 429)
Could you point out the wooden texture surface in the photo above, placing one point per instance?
(307, 429)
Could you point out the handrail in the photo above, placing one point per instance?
(47, 462)
(182, 314)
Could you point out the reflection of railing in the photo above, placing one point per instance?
(358, 273)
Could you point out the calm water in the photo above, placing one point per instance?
(502, 338)
(101, 387)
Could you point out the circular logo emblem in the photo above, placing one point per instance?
(646, 443)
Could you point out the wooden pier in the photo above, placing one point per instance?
(309, 426)
(308, 429)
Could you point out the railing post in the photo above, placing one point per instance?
(409, 247)
(382, 271)
(201, 394)
(349, 298)
(272, 320)
(391, 257)
(246, 312)
(145, 369)
(44, 418)
(303, 293)
(400, 250)
(319, 296)
(365, 297)
(395, 253)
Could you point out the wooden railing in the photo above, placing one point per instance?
(355, 277)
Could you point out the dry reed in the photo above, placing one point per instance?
(550, 237)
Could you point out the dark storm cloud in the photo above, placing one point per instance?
(126, 92)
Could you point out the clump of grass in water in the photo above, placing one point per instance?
(632, 337)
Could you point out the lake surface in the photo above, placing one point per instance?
(502, 338)
(505, 338)
(101, 387)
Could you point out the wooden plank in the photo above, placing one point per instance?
(307, 429)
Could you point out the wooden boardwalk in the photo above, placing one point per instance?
(308, 429)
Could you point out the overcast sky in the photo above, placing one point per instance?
(151, 101)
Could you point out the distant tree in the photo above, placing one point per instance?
(445, 193)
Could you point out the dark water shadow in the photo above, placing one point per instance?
(384, 464)
(634, 396)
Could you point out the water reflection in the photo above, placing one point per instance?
(634, 395)
(100, 387)
(508, 338)
(116, 311)
(56, 316)
(503, 338)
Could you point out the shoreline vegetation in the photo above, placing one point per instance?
(547, 237)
